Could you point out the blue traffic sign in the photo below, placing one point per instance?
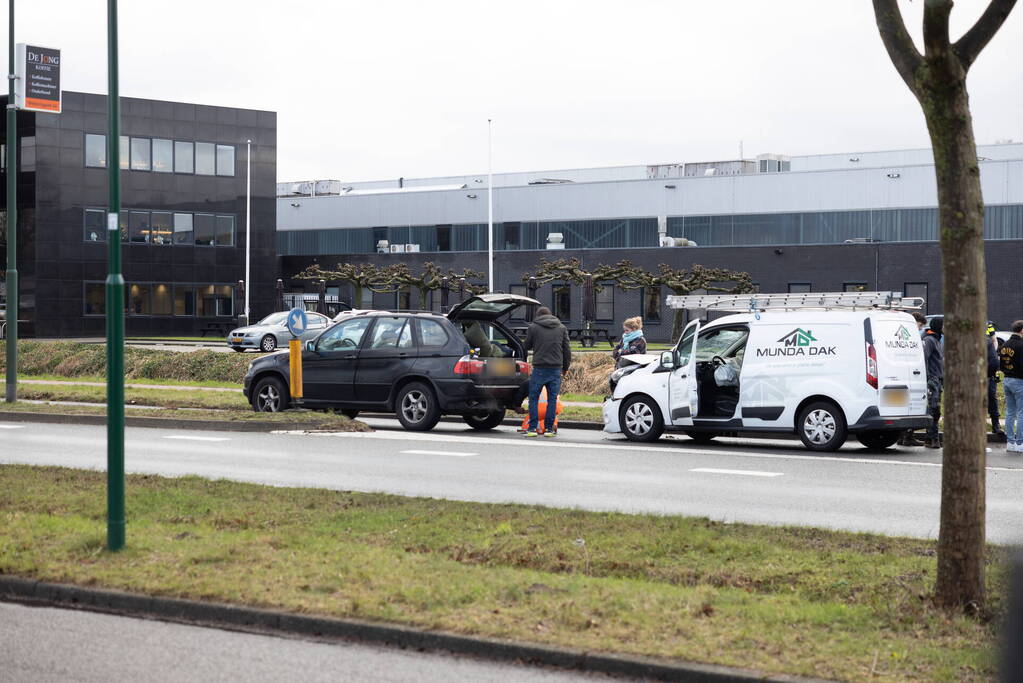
(297, 322)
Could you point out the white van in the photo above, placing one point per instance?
(823, 373)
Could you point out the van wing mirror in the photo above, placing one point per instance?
(668, 360)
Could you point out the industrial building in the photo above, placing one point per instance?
(182, 221)
(829, 222)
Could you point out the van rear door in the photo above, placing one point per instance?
(901, 377)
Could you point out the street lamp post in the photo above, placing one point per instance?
(115, 300)
(11, 394)
(490, 207)
(248, 221)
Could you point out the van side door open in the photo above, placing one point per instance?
(683, 396)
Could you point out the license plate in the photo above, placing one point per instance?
(501, 367)
(236, 340)
(895, 397)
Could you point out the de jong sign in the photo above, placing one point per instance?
(38, 85)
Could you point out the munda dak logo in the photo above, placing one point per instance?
(798, 342)
(904, 339)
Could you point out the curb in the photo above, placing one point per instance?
(156, 422)
(262, 621)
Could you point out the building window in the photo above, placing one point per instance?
(520, 312)
(95, 298)
(917, 289)
(561, 298)
(216, 300)
(225, 231)
(225, 160)
(443, 238)
(799, 287)
(138, 227)
(512, 235)
(141, 154)
(205, 158)
(604, 299)
(184, 157)
(854, 287)
(162, 304)
(95, 225)
(161, 228)
(184, 299)
(138, 300)
(651, 312)
(125, 153)
(163, 156)
(205, 229)
(403, 298)
(95, 150)
(183, 228)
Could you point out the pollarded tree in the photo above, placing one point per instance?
(431, 278)
(362, 277)
(937, 78)
(680, 281)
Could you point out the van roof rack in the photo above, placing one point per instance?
(762, 302)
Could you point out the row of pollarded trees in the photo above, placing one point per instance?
(623, 274)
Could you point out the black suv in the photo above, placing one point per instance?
(416, 364)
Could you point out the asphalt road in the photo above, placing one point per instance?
(770, 482)
(42, 644)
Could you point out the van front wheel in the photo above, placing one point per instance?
(822, 427)
(641, 419)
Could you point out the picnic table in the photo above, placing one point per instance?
(213, 326)
(588, 336)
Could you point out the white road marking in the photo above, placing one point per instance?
(748, 473)
(199, 438)
(12, 426)
(611, 446)
(454, 453)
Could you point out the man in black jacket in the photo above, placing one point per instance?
(548, 339)
(934, 361)
(1011, 355)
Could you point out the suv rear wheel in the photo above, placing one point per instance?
(821, 426)
(484, 421)
(641, 419)
(417, 408)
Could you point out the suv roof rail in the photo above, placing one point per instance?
(791, 301)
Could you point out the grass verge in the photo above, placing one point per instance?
(306, 419)
(137, 380)
(167, 398)
(783, 600)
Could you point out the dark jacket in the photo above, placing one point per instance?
(993, 364)
(548, 339)
(1011, 355)
(934, 356)
(637, 345)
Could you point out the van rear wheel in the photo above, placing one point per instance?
(878, 441)
(822, 427)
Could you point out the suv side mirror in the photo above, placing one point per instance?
(668, 360)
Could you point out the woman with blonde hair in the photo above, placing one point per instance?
(632, 339)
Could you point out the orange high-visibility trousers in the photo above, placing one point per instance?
(541, 411)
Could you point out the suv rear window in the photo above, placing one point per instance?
(432, 333)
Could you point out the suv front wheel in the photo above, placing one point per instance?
(416, 407)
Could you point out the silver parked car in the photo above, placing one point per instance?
(271, 332)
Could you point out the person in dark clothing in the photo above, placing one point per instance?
(934, 360)
(993, 366)
(632, 339)
(548, 340)
(1011, 356)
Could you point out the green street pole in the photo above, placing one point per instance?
(115, 300)
(11, 394)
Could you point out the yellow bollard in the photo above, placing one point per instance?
(295, 362)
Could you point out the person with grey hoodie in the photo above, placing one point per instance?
(547, 338)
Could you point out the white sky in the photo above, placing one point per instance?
(386, 88)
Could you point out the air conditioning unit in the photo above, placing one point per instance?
(667, 241)
(397, 248)
(383, 247)
(555, 240)
(412, 248)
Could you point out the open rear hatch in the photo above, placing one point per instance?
(489, 307)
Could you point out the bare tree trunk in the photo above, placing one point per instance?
(961, 545)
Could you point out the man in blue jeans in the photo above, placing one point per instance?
(1011, 360)
(547, 338)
